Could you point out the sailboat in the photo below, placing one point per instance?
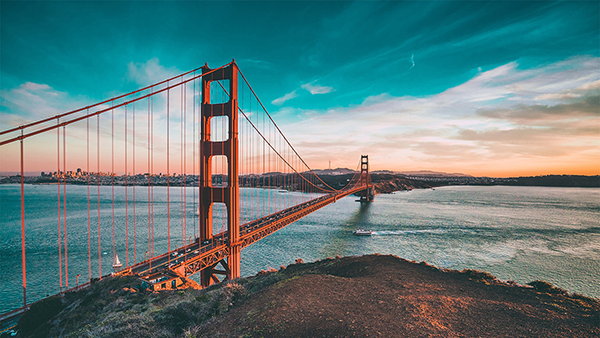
(117, 264)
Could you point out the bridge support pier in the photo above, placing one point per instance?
(226, 194)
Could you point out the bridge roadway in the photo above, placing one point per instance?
(194, 257)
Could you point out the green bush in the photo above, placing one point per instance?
(38, 315)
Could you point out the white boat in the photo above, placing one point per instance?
(117, 264)
(362, 232)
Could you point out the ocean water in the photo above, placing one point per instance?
(516, 233)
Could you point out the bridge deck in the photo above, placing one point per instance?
(194, 257)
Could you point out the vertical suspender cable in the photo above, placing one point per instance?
(211, 163)
(98, 184)
(65, 203)
(264, 170)
(152, 170)
(194, 151)
(134, 183)
(87, 175)
(59, 210)
(23, 226)
(224, 170)
(184, 162)
(181, 187)
(168, 188)
(112, 175)
(149, 177)
(268, 133)
(126, 198)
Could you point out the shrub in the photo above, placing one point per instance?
(544, 286)
(39, 314)
(541, 285)
(476, 274)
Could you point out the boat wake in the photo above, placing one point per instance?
(408, 232)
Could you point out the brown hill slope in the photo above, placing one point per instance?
(385, 296)
(366, 296)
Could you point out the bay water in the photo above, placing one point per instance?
(515, 233)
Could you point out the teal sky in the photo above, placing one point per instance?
(484, 88)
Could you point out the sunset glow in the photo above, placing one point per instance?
(486, 89)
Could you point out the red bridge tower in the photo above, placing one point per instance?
(228, 193)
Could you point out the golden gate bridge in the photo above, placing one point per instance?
(204, 130)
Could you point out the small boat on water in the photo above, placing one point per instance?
(117, 264)
(362, 232)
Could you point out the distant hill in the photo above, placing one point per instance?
(345, 171)
(13, 173)
(429, 173)
(337, 171)
(558, 181)
(432, 173)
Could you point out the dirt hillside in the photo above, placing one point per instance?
(385, 296)
(366, 296)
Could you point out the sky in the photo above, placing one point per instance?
(482, 88)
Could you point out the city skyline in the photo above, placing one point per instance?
(493, 89)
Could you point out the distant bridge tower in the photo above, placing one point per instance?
(365, 179)
(226, 194)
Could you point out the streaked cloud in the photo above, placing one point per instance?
(31, 101)
(474, 127)
(149, 72)
(317, 89)
(281, 100)
(255, 63)
(466, 107)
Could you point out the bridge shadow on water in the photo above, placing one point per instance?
(359, 218)
(342, 242)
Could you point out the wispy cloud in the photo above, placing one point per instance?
(256, 63)
(31, 101)
(310, 87)
(317, 89)
(281, 100)
(478, 127)
(149, 72)
(412, 60)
